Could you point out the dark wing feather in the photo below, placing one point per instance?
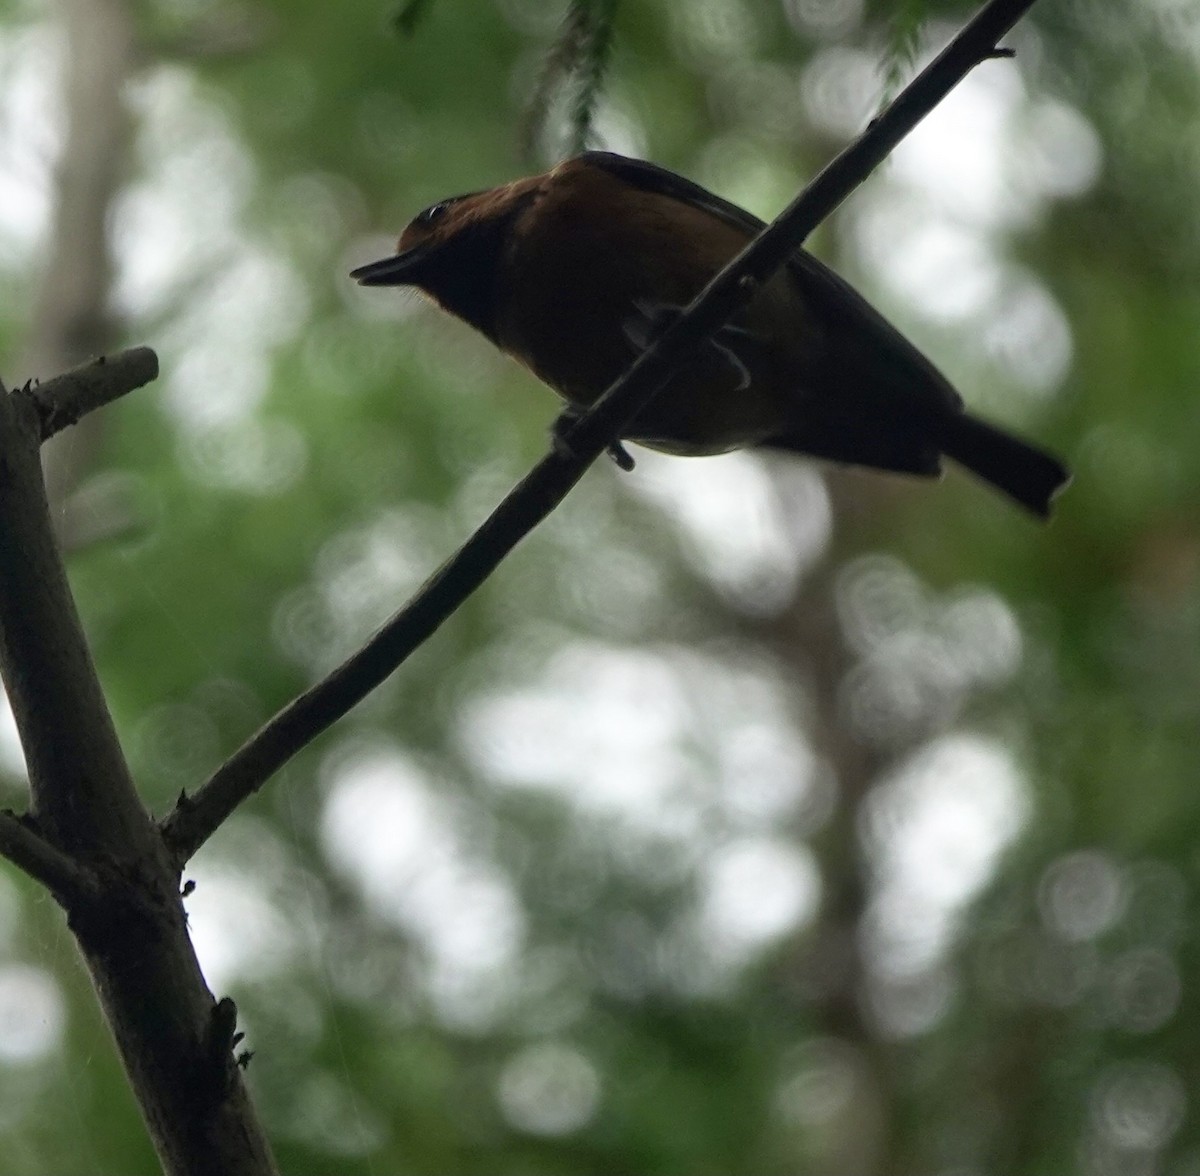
(880, 351)
(846, 313)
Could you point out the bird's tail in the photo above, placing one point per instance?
(1024, 473)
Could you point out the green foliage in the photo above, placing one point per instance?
(409, 16)
(907, 22)
(575, 66)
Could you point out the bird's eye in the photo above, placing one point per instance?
(434, 213)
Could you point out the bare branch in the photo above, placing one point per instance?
(195, 819)
(28, 850)
(60, 402)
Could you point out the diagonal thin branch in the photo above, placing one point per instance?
(29, 851)
(195, 818)
(60, 402)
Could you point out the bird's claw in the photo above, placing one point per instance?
(621, 456)
(731, 357)
(652, 319)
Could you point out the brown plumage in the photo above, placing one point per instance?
(574, 271)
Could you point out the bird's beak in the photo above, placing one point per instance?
(401, 270)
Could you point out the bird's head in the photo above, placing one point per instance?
(453, 251)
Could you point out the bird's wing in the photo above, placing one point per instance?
(879, 352)
(844, 311)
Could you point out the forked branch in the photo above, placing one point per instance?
(29, 851)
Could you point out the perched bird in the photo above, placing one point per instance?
(573, 272)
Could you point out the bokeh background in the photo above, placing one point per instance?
(756, 816)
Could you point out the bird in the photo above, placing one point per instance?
(573, 272)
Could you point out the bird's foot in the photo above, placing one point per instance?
(558, 439)
(653, 318)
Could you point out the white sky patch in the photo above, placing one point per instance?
(242, 917)
(932, 224)
(601, 726)
(824, 1080)
(181, 216)
(921, 654)
(30, 134)
(33, 1015)
(749, 536)
(935, 831)
(1178, 22)
(769, 768)
(1027, 334)
(713, 33)
(840, 90)
(12, 755)
(755, 890)
(955, 156)
(680, 764)
(667, 743)
(362, 572)
(385, 826)
(238, 931)
(1061, 153)
(180, 242)
(952, 265)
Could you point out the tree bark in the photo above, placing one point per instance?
(127, 915)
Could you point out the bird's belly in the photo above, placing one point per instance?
(724, 396)
(702, 409)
